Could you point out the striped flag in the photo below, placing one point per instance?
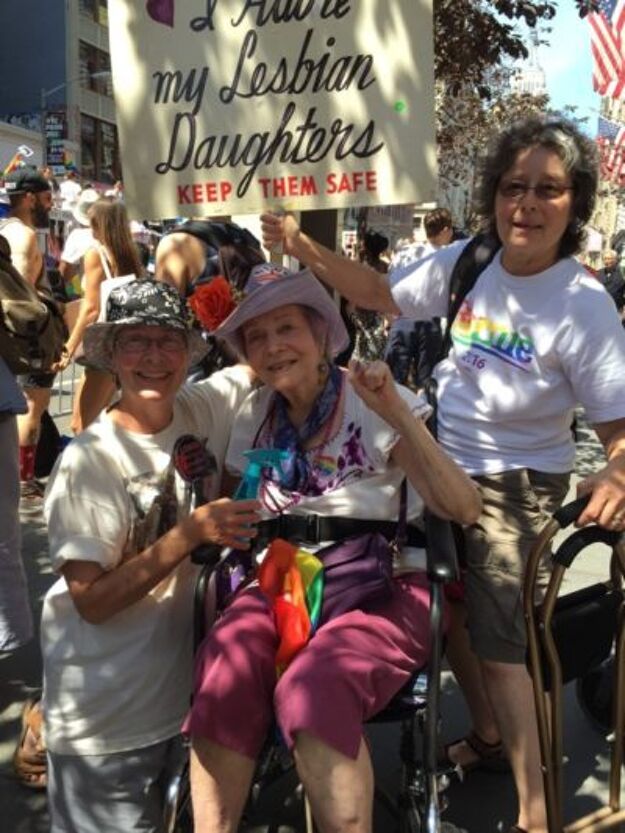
(611, 141)
(16, 162)
(606, 27)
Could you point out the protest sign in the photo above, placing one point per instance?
(232, 106)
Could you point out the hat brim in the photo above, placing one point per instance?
(80, 214)
(302, 289)
(98, 341)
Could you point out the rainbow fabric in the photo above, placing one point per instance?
(292, 579)
(16, 162)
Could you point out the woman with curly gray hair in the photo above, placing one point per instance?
(533, 338)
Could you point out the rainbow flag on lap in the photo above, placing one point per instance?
(292, 579)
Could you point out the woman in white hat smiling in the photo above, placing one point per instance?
(117, 625)
(345, 450)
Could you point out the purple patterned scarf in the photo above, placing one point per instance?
(296, 474)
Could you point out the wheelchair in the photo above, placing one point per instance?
(419, 799)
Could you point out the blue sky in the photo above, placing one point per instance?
(567, 63)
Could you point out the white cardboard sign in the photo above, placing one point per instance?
(232, 106)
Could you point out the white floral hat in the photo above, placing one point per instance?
(154, 303)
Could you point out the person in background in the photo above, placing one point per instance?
(80, 239)
(534, 337)
(117, 191)
(612, 279)
(208, 263)
(414, 346)
(112, 259)
(69, 190)
(369, 326)
(16, 625)
(48, 173)
(31, 201)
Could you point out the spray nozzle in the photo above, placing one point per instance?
(257, 460)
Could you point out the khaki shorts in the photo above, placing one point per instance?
(517, 505)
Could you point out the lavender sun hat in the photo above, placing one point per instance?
(147, 302)
(270, 287)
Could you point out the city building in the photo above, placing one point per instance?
(529, 77)
(609, 216)
(56, 55)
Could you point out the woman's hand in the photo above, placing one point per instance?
(63, 362)
(279, 230)
(229, 523)
(607, 504)
(374, 384)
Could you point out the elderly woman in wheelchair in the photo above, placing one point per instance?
(318, 661)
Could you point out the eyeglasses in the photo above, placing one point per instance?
(516, 190)
(171, 343)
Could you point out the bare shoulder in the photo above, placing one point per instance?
(180, 248)
(20, 236)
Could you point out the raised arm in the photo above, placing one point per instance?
(445, 488)
(362, 286)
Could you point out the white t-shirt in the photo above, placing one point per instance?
(79, 240)
(124, 684)
(407, 254)
(352, 473)
(526, 351)
(69, 190)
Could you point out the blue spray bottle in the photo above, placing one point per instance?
(257, 460)
(248, 489)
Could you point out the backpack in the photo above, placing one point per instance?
(474, 258)
(32, 329)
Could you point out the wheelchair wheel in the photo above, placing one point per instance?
(595, 694)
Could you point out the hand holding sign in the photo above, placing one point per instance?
(279, 231)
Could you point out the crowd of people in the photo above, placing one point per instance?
(253, 359)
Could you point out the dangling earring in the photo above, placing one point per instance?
(323, 369)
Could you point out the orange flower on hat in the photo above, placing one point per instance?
(212, 303)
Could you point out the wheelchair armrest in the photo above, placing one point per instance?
(441, 555)
(207, 554)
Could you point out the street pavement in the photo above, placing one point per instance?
(484, 803)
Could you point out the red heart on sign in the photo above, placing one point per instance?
(162, 11)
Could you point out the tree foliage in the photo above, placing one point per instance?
(475, 43)
(473, 36)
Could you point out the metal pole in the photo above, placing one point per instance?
(44, 142)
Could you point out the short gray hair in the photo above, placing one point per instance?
(579, 157)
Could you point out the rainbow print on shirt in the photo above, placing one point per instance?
(480, 333)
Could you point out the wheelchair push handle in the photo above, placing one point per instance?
(574, 544)
(570, 512)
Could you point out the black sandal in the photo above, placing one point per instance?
(490, 757)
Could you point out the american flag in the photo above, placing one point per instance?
(611, 141)
(606, 27)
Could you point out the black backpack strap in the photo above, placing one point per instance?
(474, 258)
